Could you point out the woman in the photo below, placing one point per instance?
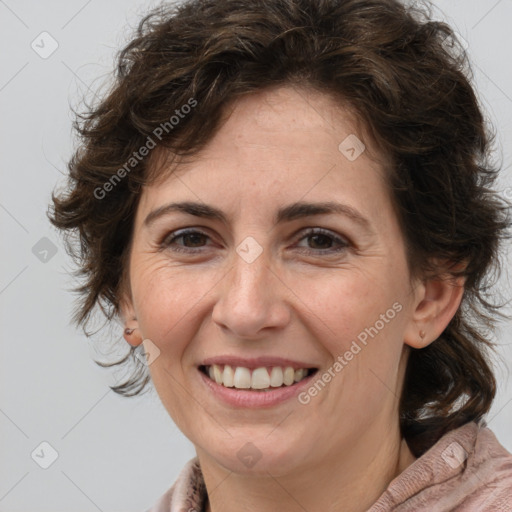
(288, 204)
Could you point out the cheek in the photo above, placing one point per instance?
(165, 300)
(342, 303)
(360, 317)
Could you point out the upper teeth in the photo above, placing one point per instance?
(261, 378)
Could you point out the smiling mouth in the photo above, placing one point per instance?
(264, 378)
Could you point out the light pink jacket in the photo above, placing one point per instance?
(467, 470)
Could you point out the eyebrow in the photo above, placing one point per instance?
(285, 214)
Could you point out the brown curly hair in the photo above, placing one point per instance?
(408, 80)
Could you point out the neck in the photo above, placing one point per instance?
(350, 481)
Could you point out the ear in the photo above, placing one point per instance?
(436, 302)
(131, 331)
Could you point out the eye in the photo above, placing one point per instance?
(188, 236)
(322, 237)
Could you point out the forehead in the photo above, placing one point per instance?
(285, 141)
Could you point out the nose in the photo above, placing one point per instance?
(252, 299)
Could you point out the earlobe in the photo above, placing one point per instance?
(131, 332)
(438, 301)
(132, 336)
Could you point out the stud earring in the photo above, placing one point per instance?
(422, 334)
(129, 331)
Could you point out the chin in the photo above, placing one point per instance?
(250, 456)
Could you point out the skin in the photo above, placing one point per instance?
(277, 147)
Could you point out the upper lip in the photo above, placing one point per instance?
(255, 362)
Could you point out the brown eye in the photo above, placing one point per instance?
(321, 240)
(192, 239)
(324, 241)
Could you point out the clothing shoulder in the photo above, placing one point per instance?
(490, 464)
(466, 470)
(187, 493)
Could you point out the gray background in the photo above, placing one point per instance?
(118, 454)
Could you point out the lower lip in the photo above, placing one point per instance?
(254, 399)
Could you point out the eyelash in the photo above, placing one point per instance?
(166, 243)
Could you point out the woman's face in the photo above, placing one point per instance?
(266, 286)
